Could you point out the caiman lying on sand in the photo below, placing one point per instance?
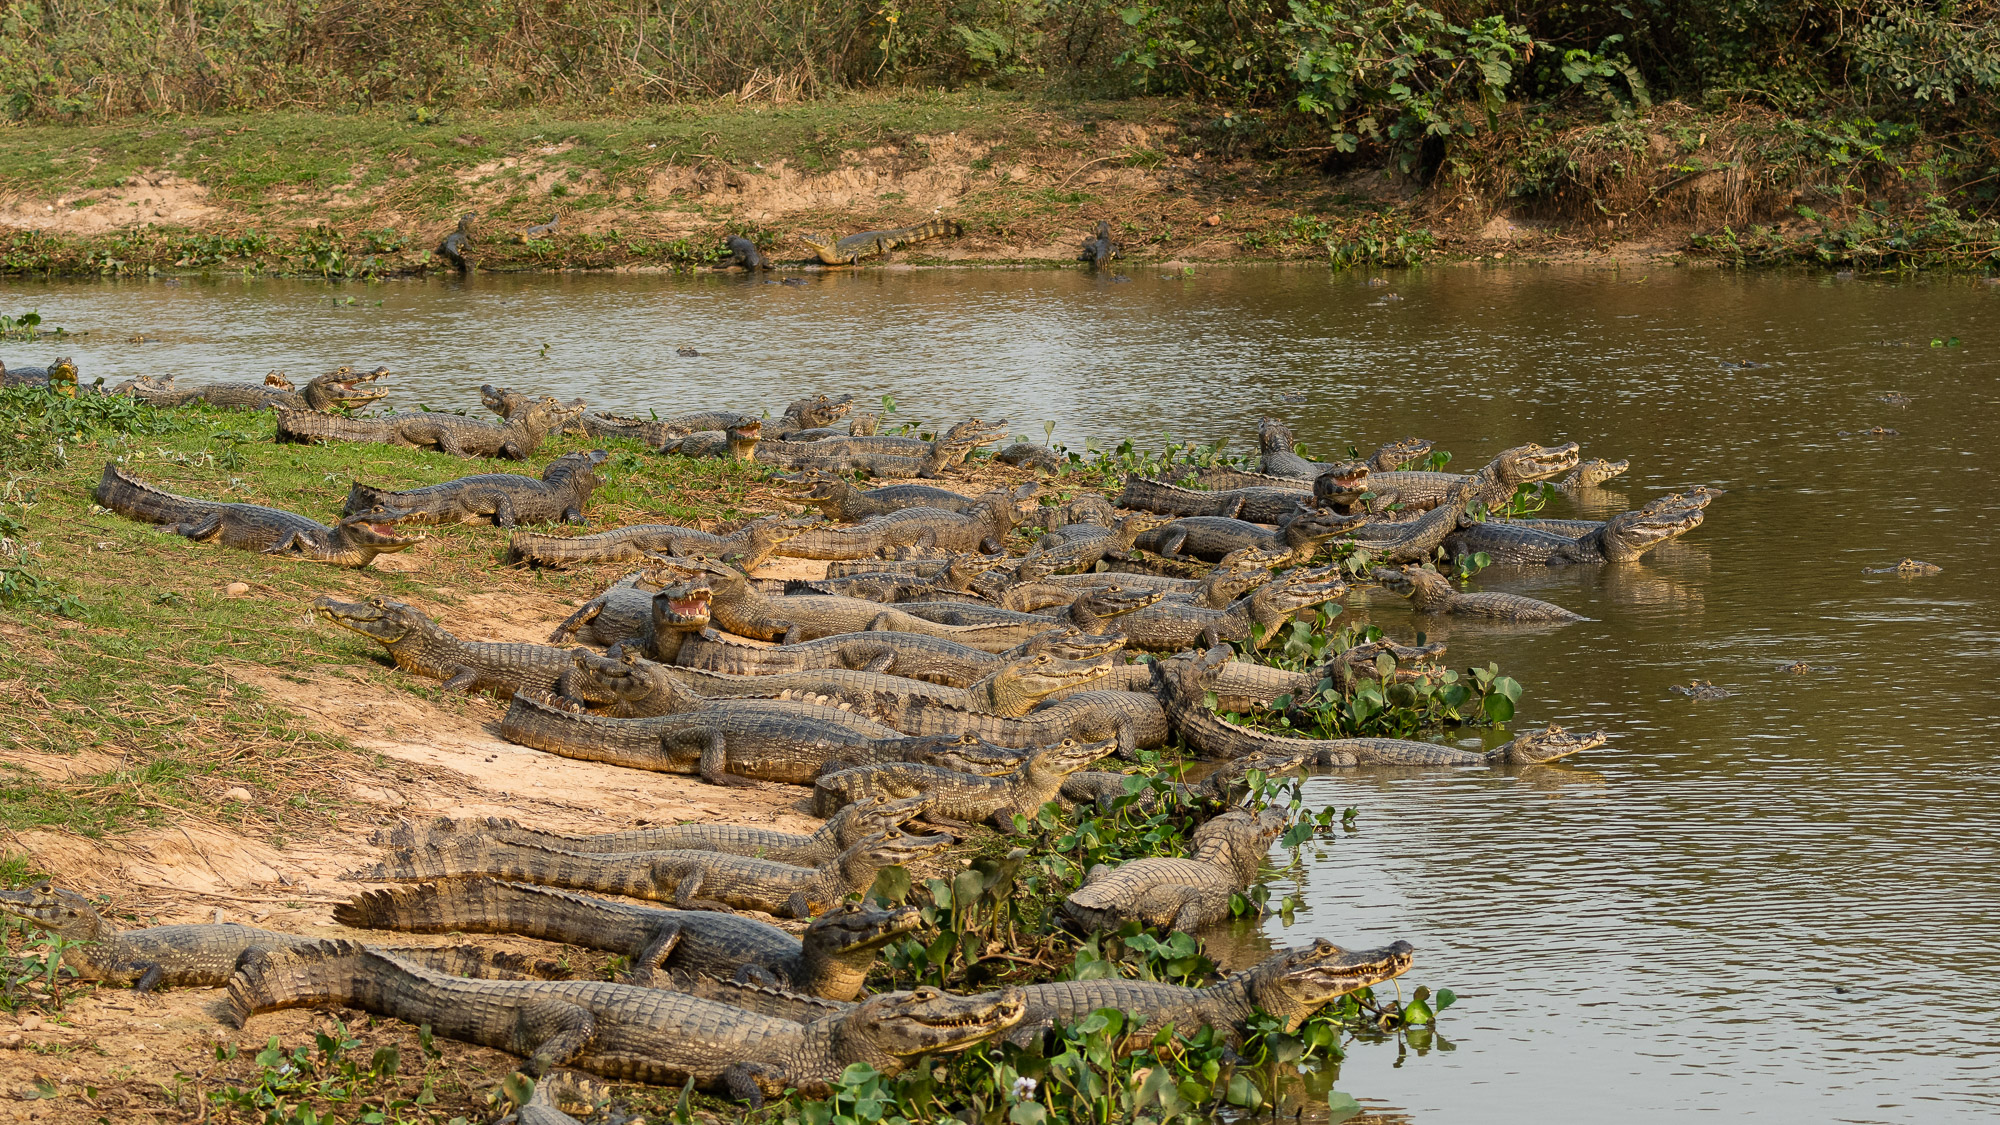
(1431, 592)
(840, 832)
(421, 646)
(517, 439)
(958, 797)
(200, 956)
(748, 547)
(1185, 681)
(880, 243)
(711, 880)
(954, 582)
(627, 609)
(504, 498)
(831, 960)
(250, 527)
(339, 389)
(744, 740)
(626, 1031)
(839, 500)
(1176, 893)
(912, 655)
(1291, 985)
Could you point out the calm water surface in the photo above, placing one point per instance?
(1776, 906)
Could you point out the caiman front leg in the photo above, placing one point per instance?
(714, 767)
(552, 1033)
(653, 957)
(689, 887)
(503, 510)
(1170, 546)
(461, 678)
(297, 543)
(204, 530)
(748, 1082)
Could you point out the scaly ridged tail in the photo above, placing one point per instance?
(935, 228)
(326, 972)
(491, 906)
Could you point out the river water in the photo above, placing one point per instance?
(1778, 906)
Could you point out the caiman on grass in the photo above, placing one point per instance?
(748, 547)
(1186, 681)
(423, 647)
(711, 880)
(456, 434)
(503, 498)
(195, 956)
(625, 1031)
(339, 389)
(354, 541)
(831, 960)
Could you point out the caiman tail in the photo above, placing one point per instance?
(935, 228)
(134, 499)
(484, 906)
(346, 972)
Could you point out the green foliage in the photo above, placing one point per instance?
(326, 1084)
(1387, 706)
(32, 974)
(27, 326)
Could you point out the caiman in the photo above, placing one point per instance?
(60, 376)
(455, 244)
(954, 582)
(1907, 567)
(199, 956)
(339, 389)
(1212, 537)
(504, 498)
(1084, 507)
(635, 686)
(880, 243)
(831, 959)
(517, 439)
(839, 500)
(1058, 553)
(1496, 482)
(629, 1032)
(1224, 584)
(739, 442)
(1591, 473)
(1171, 626)
(841, 831)
(1028, 455)
(627, 611)
(1431, 592)
(420, 646)
(649, 432)
(711, 880)
(964, 798)
(1185, 682)
(1623, 538)
(738, 742)
(948, 450)
(812, 412)
(791, 618)
(1098, 249)
(1341, 487)
(1177, 893)
(748, 547)
(982, 528)
(913, 655)
(1092, 610)
(1291, 985)
(250, 527)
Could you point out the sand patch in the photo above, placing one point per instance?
(148, 196)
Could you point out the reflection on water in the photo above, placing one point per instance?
(1778, 905)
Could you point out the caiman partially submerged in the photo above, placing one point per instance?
(625, 1031)
(1186, 681)
(1176, 893)
(831, 959)
(712, 880)
(504, 498)
(1623, 538)
(880, 243)
(354, 541)
(421, 646)
(1431, 592)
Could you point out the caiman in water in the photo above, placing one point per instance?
(353, 541)
(1431, 592)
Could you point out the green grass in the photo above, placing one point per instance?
(129, 658)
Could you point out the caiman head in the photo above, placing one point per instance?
(892, 1027)
(1595, 472)
(1295, 983)
(854, 928)
(343, 388)
(1014, 688)
(820, 488)
(743, 438)
(377, 531)
(1526, 463)
(890, 849)
(502, 401)
(1275, 602)
(1071, 643)
(814, 411)
(865, 818)
(1341, 483)
(1069, 755)
(1697, 497)
(969, 753)
(579, 467)
(1189, 675)
(1274, 436)
(1317, 525)
(1363, 662)
(1397, 454)
(625, 682)
(1421, 585)
(683, 607)
(376, 618)
(549, 415)
(1116, 601)
(1225, 584)
(277, 378)
(1628, 535)
(966, 567)
(770, 531)
(58, 911)
(1239, 840)
(1534, 746)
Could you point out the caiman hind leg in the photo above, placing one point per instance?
(551, 1033)
(204, 530)
(653, 957)
(710, 749)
